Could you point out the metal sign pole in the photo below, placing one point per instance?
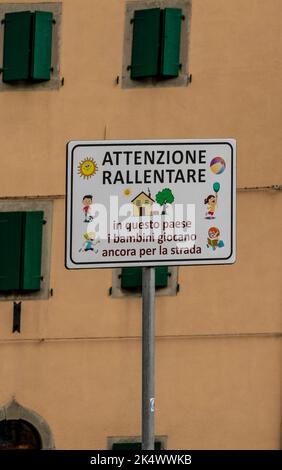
(148, 358)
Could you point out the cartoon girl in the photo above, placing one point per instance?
(211, 202)
(89, 243)
(213, 239)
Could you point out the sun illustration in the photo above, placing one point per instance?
(127, 192)
(87, 168)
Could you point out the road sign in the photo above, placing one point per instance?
(150, 203)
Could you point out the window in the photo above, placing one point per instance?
(20, 250)
(127, 282)
(133, 446)
(156, 41)
(29, 46)
(133, 443)
(23, 428)
(131, 278)
(18, 434)
(18, 243)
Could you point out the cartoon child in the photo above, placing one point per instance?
(213, 239)
(211, 202)
(89, 243)
(87, 201)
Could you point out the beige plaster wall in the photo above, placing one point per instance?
(219, 380)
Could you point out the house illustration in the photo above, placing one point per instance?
(142, 204)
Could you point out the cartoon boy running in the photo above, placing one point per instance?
(87, 201)
(89, 243)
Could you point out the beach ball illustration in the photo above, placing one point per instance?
(217, 165)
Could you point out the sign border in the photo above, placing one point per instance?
(128, 263)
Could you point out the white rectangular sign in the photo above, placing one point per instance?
(150, 203)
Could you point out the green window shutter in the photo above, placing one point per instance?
(32, 248)
(161, 278)
(10, 250)
(131, 278)
(146, 43)
(17, 46)
(41, 45)
(171, 29)
(133, 446)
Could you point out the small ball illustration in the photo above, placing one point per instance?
(217, 165)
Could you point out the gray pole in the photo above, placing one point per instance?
(148, 358)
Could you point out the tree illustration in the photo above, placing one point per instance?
(164, 197)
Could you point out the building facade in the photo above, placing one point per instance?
(70, 343)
